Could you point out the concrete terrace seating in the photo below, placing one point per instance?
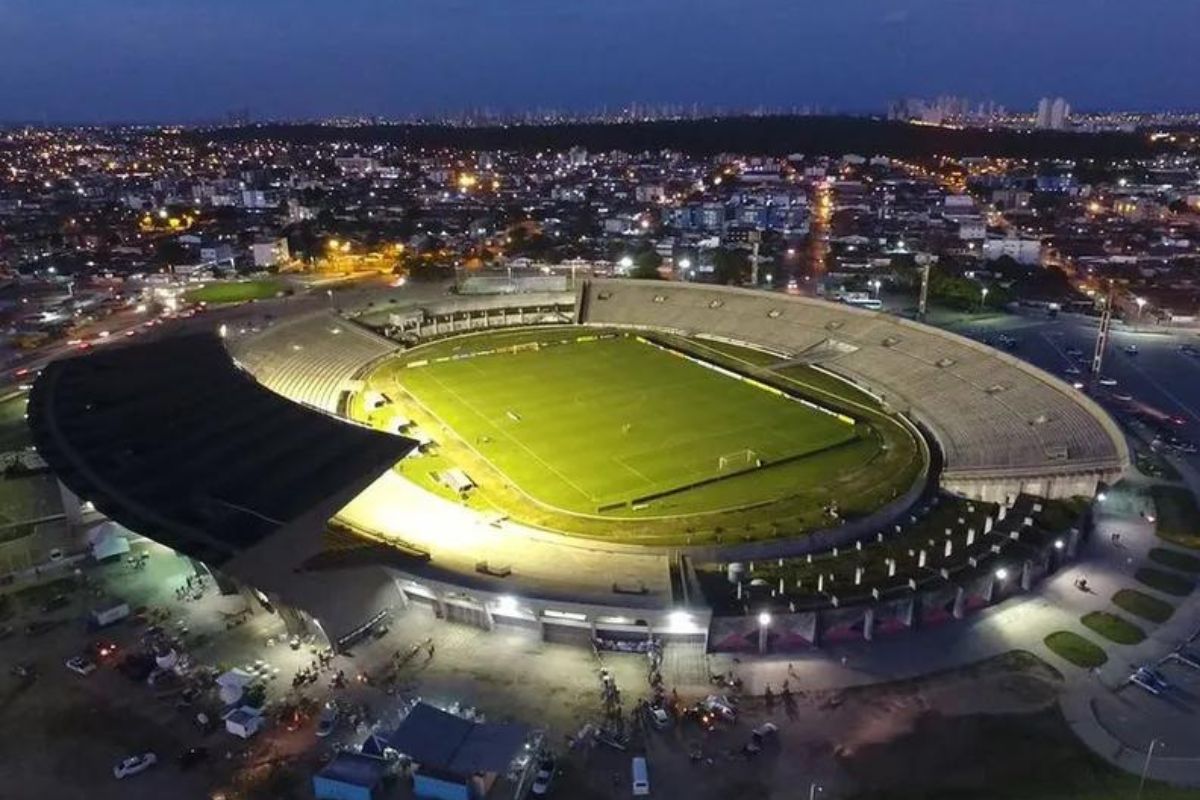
(992, 414)
(310, 359)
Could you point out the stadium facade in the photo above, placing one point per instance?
(233, 452)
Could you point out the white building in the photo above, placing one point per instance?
(270, 253)
(1023, 251)
(1053, 114)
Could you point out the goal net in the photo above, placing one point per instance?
(738, 460)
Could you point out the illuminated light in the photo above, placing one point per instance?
(685, 263)
(506, 605)
(626, 262)
(1058, 544)
(679, 619)
(764, 619)
(1101, 497)
(1001, 574)
(223, 330)
(333, 244)
(571, 615)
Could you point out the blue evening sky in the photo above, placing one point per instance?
(182, 60)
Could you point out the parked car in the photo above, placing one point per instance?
(327, 721)
(660, 718)
(721, 707)
(80, 665)
(543, 778)
(134, 765)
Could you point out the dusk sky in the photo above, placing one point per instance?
(171, 60)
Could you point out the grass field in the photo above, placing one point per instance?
(1143, 605)
(1076, 649)
(236, 291)
(1165, 581)
(1113, 627)
(592, 424)
(1178, 517)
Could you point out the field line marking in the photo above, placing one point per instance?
(511, 438)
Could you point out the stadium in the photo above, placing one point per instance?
(746, 470)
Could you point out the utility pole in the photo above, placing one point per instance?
(1102, 335)
(925, 261)
(755, 238)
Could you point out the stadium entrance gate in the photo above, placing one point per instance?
(467, 614)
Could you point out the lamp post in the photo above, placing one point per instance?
(329, 294)
(814, 789)
(1141, 303)
(1146, 766)
(875, 287)
(982, 298)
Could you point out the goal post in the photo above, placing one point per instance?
(738, 460)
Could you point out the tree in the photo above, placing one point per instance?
(645, 265)
(731, 266)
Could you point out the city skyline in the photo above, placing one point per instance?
(164, 61)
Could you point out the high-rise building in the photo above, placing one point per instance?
(1053, 114)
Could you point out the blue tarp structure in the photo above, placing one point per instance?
(447, 744)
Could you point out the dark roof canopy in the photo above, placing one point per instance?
(174, 441)
(448, 745)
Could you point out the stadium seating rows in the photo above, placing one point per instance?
(989, 412)
(310, 359)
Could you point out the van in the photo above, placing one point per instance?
(641, 777)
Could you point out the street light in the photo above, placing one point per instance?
(875, 286)
(813, 790)
(1146, 767)
(764, 619)
(685, 264)
(982, 297)
(1141, 303)
(1001, 574)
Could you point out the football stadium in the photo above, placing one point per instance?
(746, 470)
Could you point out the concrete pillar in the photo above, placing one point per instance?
(970, 536)
(948, 549)
(960, 602)
(439, 605)
(869, 624)
(921, 558)
(908, 611)
(1072, 546)
(488, 620)
(989, 588)
(1027, 576)
(405, 602)
(72, 505)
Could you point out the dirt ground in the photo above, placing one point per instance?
(991, 730)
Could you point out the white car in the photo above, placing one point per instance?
(80, 665)
(134, 765)
(327, 721)
(541, 781)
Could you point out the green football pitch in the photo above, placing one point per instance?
(619, 425)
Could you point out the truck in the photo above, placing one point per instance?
(108, 614)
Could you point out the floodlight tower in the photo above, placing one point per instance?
(1102, 334)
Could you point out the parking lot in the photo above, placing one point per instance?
(1136, 716)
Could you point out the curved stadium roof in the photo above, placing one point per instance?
(173, 441)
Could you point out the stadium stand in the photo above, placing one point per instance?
(1004, 427)
(311, 359)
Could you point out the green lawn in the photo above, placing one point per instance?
(1178, 517)
(14, 430)
(589, 424)
(1143, 605)
(1175, 559)
(1076, 649)
(236, 291)
(1168, 582)
(1114, 628)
